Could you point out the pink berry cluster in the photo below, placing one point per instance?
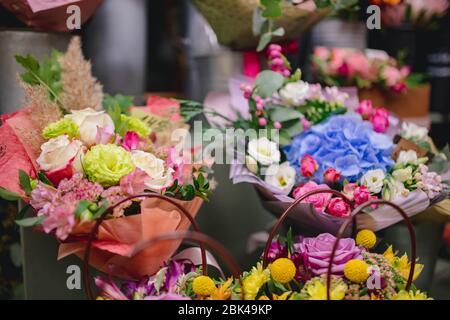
(379, 117)
(276, 60)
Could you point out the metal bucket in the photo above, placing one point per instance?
(22, 42)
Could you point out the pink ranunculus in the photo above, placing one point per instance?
(331, 175)
(380, 123)
(163, 107)
(338, 208)
(361, 195)
(320, 200)
(322, 53)
(365, 109)
(349, 190)
(308, 166)
(382, 112)
(337, 59)
(61, 219)
(317, 252)
(344, 70)
(131, 141)
(405, 71)
(391, 75)
(134, 183)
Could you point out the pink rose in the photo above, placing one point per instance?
(361, 195)
(382, 112)
(319, 201)
(358, 64)
(322, 53)
(308, 166)
(338, 208)
(380, 123)
(391, 75)
(365, 109)
(349, 190)
(332, 175)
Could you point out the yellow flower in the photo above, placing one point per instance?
(106, 164)
(63, 126)
(404, 295)
(254, 281)
(317, 290)
(223, 292)
(136, 125)
(366, 238)
(402, 264)
(356, 270)
(203, 286)
(283, 270)
(264, 298)
(283, 296)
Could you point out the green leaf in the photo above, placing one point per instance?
(187, 192)
(264, 41)
(272, 8)
(9, 195)
(268, 82)
(415, 79)
(82, 206)
(25, 183)
(258, 21)
(100, 211)
(43, 178)
(23, 211)
(282, 114)
(278, 32)
(190, 109)
(30, 222)
(124, 102)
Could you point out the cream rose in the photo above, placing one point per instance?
(294, 93)
(58, 152)
(403, 175)
(88, 122)
(264, 151)
(394, 190)
(159, 177)
(281, 177)
(412, 131)
(373, 180)
(407, 157)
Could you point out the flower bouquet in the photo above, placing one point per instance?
(49, 15)
(72, 162)
(310, 138)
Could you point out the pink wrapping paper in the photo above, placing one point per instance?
(113, 251)
(49, 15)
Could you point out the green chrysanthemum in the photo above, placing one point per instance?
(63, 126)
(136, 125)
(106, 164)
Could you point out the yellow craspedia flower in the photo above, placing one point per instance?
(254, 281)
(283, 270)
(203, 286)
(404, 295)
(356, 270)
(136, 125)
(366, 238)
(106, 164)
(63, 126)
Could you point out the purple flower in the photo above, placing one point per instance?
(276, 250)
(317, 252)
(176, 269)
(109, 290)
(167, 296)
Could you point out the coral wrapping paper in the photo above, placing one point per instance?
(113, 251)
(49, 14)
(308, 219)
(15, 153)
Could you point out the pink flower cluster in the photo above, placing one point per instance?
(429, 182)
(379, 117)
(277, 61)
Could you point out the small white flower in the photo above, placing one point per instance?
(403, 175)
(58, 152)
(281, 177)
(373, 180)
(89, 121)
(412, 131)
(160, 177)
(294, 94)
(407, 157)
(264, 151)
(394, 190)
(251, 164)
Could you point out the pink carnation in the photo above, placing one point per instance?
(60, 219)
(319, 201)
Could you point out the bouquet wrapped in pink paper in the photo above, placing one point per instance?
(301, 137)
(71, 162)
(49, 15)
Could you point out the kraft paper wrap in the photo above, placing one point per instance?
(112, 251)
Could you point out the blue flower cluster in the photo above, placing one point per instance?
(345, 143)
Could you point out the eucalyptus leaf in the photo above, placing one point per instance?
(25, 182)
(9, 195)
(284, 114)
(30, 222)
(278, 32)
(264, 41)
(258, 21)
(268, 82)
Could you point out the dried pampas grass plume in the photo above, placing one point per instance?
(42, 110)
(80, 89)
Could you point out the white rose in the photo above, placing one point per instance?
(403, 175)
(407, 157)
(294, 93)
(88, 121)
(412, 131)
(281, 177)
(159, 177)
(373, 180)
(57, 153)
(394, 190)
(264, 151)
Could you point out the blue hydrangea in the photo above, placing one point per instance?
(345, 143)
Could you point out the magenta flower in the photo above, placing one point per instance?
(176, 162)
(319, 201)
(131, 141)
(168, 296)
(308, 166)
(365, 109)
(338, 208)
(317, 252)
